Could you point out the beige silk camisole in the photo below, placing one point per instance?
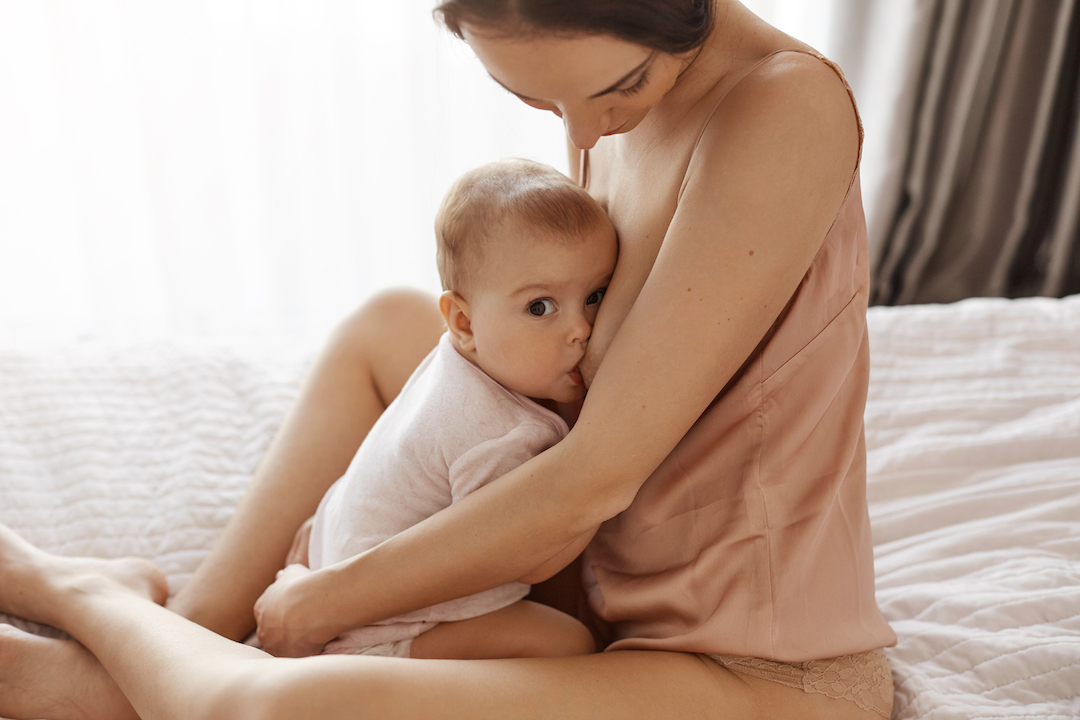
(752, 538)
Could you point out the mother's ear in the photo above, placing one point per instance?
(458, 316)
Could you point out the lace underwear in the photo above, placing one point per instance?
(864, 678)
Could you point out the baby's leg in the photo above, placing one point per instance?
(524, 629)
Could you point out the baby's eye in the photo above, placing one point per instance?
(596, 297)
(539, 308)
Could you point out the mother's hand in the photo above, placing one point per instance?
(281, 614)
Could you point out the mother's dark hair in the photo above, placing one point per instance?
(671, 26)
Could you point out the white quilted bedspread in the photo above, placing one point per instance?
(973, 433)
(973, 430)
(141, 450)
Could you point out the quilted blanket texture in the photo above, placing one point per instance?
(973, 436)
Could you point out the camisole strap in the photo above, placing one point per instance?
(835, 68)
(583, 166)
(583, 169)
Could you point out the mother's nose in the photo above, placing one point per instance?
(584, 128)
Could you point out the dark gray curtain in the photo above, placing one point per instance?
(988, 203)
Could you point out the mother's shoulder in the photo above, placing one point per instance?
(794, 90)
(781, 113)
(777, 154)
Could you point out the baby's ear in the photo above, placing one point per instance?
(458, 316)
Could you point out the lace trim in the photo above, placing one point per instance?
(864, 678)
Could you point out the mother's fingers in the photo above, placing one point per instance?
(276, 611)
(291, 572)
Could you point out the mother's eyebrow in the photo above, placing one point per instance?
(612, 88)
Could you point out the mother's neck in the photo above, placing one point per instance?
(738, 38)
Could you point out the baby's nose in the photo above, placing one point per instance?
(581, 330)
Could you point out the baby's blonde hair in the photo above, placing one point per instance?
(511, 192)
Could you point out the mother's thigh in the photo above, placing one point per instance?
(395, 330)
(622, 685)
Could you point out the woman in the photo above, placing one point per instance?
(721, 439)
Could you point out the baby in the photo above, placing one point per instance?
(525, 256)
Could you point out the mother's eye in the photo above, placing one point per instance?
(636, 87)
(539, 308)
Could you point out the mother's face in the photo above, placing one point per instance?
(598, 84)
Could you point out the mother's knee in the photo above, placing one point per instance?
(401, 313)
(390, 335)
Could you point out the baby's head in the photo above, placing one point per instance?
(525, 256)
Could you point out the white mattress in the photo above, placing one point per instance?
(973, 433)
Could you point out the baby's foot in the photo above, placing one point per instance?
(56, 679)
(31, 581)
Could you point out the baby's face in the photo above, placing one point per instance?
(533, 306)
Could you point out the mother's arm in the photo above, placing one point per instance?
(762, 191)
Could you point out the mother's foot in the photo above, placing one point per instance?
(56, 679)
(33, 582)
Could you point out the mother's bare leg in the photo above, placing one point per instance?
(58, 679)
(165, 665)
(169, 667)
(363, 367)
(82, 689)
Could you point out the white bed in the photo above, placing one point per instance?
(973, 433)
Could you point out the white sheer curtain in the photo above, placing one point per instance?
(226, 169)
(230, 169)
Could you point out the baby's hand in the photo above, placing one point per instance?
(279, 614)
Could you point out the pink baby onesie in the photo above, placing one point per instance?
(451, 430)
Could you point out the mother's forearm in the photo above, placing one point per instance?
(561, 560)
(493, 536)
